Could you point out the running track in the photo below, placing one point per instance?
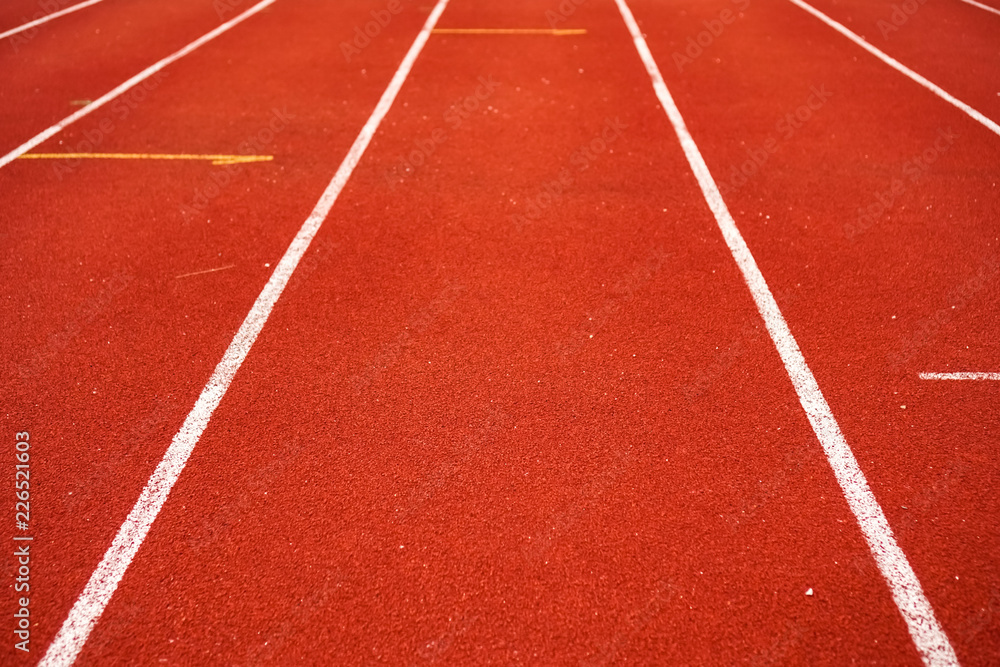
(516, 403)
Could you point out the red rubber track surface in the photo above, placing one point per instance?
(872, 303)
(99, 325)
(86, 54)
(952, 43)
(480, 431)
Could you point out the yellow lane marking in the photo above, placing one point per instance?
(509, 31)
(215, 159)
(198, 273)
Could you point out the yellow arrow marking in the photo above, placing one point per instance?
(215, 159)
(509, 31)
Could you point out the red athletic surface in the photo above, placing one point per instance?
(470, 437)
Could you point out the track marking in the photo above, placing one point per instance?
(45, 19)
(510, 31)
(199, 273)
(900, 67)
(104, 581)
(927, 634)
(135, 80)
(960, 376)
(982, 6)
(215, 159)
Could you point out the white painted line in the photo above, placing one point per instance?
(105, 579)
(927, 634)
(900, 67)
(48, 17)
(135, 80)
(982, 6)
(960, 376)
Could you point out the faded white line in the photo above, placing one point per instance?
(900, 67)
(982, 6)
(48, 17)
(200, 273)
(926, 632)
(135, 80)
(105, 579)
(960, 376)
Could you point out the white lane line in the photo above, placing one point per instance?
(900, 67)
(927, 634)
(48, 17)
(135, 80)
(960, 376)
(105, 579)
(982, 6)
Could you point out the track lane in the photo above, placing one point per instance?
(881, 297)
(113, 237)
(928, 637)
